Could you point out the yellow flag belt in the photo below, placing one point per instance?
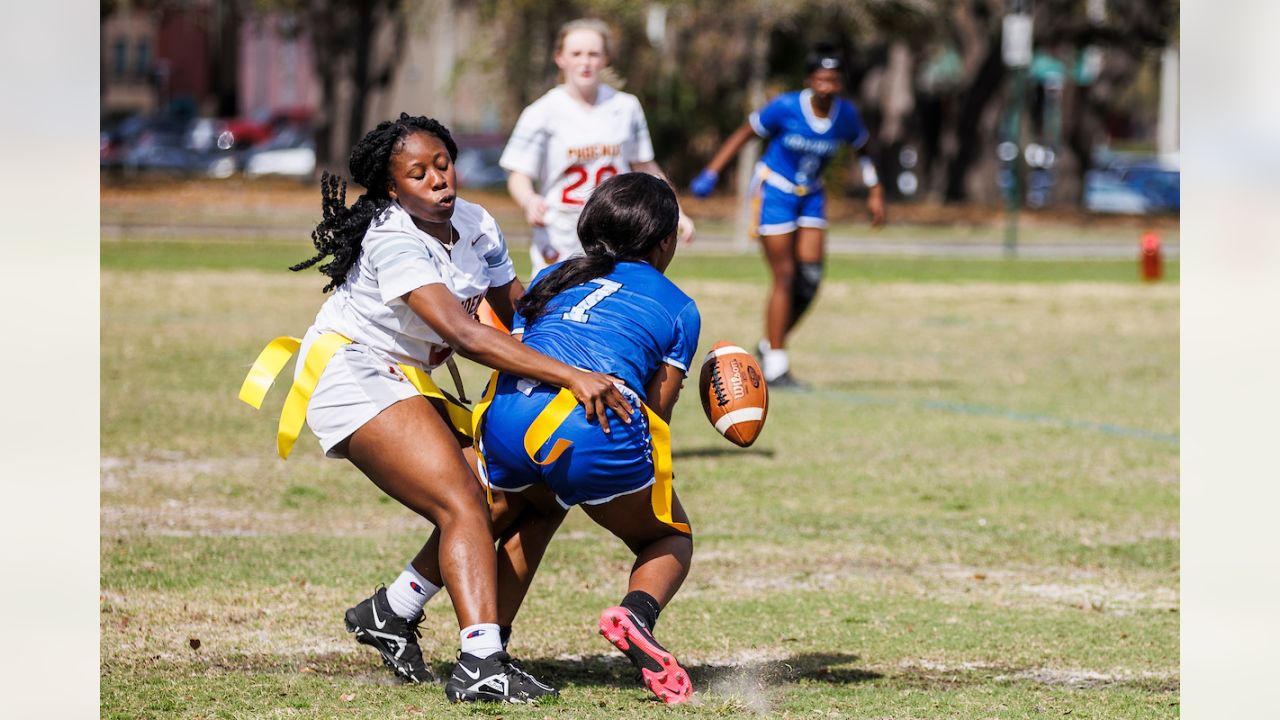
(554, 414)
(276, 354)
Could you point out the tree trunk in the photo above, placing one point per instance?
(974, 102)
(364, 29)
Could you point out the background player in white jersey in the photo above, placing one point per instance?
(571, 139)
(805, 129)
(410, 261)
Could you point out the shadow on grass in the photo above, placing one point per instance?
(617, 671)
(711, 452)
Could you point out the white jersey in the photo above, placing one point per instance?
(568, 150)
(397, 257)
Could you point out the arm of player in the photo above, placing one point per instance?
(875, 188)
(481, 343)
(663, 390)
(684, 226)
(520, 186)
(731, 147)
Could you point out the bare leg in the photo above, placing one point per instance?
(663, 554)
(523, 524)
(427, 561)
(528, 520)
(780, 255)
(430, 476)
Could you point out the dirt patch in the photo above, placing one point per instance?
(1085, 678)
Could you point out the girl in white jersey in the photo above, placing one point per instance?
(409, 263)
(571, 139)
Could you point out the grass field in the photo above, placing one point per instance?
(974, 515)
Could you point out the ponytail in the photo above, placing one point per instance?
(625, 218)
(570, 273)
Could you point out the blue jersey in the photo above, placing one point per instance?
(625, 324)
(801, 143)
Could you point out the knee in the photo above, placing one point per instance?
(684, 546)
(784, 276)
(808, 278)
(674, 542)
(464, 508)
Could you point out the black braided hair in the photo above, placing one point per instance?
(342, 228)
(625, 219)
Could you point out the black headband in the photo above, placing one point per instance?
(823, 62)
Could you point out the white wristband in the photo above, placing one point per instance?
(869, 176)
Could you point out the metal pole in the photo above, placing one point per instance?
(1016, 44)
(1014, 196)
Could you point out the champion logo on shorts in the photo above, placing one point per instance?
(474, 633)
(417, 588)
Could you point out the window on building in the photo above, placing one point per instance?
(144, 57)
(120, 57)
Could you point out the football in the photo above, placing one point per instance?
(734, 395)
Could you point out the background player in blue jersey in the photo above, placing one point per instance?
(611, 309)
(804, 129)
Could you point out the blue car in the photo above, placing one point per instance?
(1137, 187)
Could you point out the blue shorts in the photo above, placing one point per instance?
(594, 469)
(779, 211)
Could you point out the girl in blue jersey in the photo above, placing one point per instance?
(611, 310)
(615, 312)
(804, 129)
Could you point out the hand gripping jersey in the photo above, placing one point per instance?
(800, 143)
(625, 324)
(395, 258)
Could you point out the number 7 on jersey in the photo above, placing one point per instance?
(582, 311)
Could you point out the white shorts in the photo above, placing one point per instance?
(357, 384)
(556, 241)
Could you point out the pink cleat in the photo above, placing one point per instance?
(662, 675)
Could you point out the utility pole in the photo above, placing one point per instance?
(1016, 50)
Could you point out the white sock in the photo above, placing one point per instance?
(481, 640)
(410, 592)
(763, 347)
(776, 363)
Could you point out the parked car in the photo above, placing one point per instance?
(116, 139)
(157, 143)
(1133, 185)
(291, 152)
(261, 126)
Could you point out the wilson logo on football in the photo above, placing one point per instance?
(735, 397)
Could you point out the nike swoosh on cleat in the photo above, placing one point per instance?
(467, 670)
(376, 620)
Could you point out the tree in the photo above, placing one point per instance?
(358, 44)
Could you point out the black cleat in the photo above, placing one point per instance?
(786, 381)
(496, 678)
(395, 638)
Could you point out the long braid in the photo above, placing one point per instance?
(341, 229)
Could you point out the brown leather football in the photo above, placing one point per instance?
(734, 395)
